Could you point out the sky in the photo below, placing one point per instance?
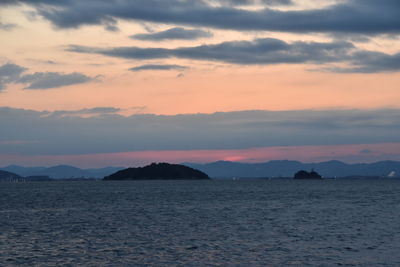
(97, 83)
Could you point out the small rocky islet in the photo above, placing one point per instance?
(307, 175)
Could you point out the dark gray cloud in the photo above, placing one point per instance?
(65, 133)
(110, 24)
(371, 62)
(351, 16)
(264, 52)
(157, 67)
(259, 51)
(11, 73)
(176, 33)
(49, 80)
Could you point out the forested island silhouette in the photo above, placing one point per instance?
(159, 171)
(307, 175)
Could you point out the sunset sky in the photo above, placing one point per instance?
(96, 83)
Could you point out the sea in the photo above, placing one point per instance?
(201, 223)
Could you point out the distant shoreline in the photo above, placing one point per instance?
(26, 180)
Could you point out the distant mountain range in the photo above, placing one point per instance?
(286, 168)
(227, 169)
(61, 171)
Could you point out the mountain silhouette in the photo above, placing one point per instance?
(286, 168)
(61, 171)
(228, 169)
(22, 171)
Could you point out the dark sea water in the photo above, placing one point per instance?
(201, 223)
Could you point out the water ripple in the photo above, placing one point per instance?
(200, 223)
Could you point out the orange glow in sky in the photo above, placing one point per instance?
(174, 64)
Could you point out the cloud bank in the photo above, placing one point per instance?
(352, 16)
(98, 111)
(63, 132)
(265, 51)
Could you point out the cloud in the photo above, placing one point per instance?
(157, 67)
(264, 51)
(365, 151)
(371, 62)
(58, 133)
(110, 24)
(7, 26)
(176, 33)
(254, 2)
(50, 80)
(86, 112)
(11, 73)
(258, 51)
(351, 16)
(351, 37)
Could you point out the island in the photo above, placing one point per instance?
(307, 175)
(6, 176)
(158, 171)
